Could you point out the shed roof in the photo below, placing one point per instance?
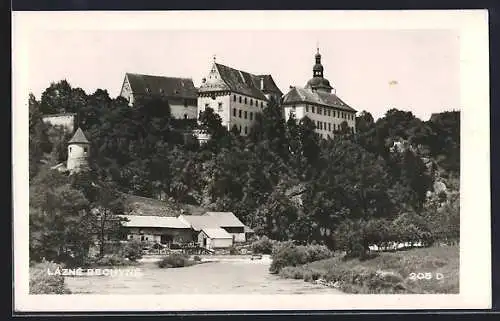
(302, 95)
(199, 222)
(217, 233)
(160, 85)
(154, 221)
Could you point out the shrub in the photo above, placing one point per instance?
(111, 260)
(42, 283)
(133, 251)
(175, 260)
(233, 251)
(263, 246)
(287, 254)
(196, 258)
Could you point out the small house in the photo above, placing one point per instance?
(230, 223)
(215, 238)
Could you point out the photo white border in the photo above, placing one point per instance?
(475, 240)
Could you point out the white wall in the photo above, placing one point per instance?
(179, 110)
(66, 121)
(214, 104)
(251, 108)
(332, 122)
(77, 155)
(220, 243)
(239, 237)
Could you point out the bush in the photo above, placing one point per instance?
(233, 251)
(196, 258)
(263, 246)
(133, 251)
(42, 283)
(175, 260)
(287, 254)
(111, 260)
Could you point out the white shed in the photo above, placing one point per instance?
(215, 238)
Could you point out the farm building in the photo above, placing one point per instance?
(215, 238)
(226, 221)
(157, 229)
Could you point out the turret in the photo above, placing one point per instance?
(78, 151)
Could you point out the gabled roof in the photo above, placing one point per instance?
(217, 233)
(242, 82)
(79, 137)
(154, 221)
(302, 95)
(159, 85)
(225, 219)
(199, 222)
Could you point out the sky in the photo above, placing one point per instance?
(372, 70)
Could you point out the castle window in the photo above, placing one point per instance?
(185, 103)
(251, 116)
(312, 109)
(185, 116)
(234, 112)
(220, 107)
(245, 100)
(246, 129)
(324, 112)
(251, 102)
(240, 128)
(328, 112)
(85, 149)
(240, 99)
(246, 114)
(324, 125)
(307, 108)
(319, 110)
(70, 149)
(234, 97)
(206, 106)
(329, 127)
(261, 105)
(239, 113)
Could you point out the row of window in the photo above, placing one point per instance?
(242, 114)
(328, 112)
(324, 125)
(240, 128)
(245, 101)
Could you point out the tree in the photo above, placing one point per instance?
(39, 143)
(57, 213)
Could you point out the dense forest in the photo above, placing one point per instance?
(282, 180)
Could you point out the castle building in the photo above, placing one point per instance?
(180, 93)
(236, 95)
(319, 102)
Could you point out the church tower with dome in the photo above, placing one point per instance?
(318, 101)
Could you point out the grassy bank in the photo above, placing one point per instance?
(419, 271)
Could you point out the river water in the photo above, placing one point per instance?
(219, 277)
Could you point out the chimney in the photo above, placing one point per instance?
(262, 83)
(204, 80)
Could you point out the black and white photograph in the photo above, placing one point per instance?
(227, 159)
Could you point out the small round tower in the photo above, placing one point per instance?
(78, 151)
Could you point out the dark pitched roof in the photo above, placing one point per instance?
(242, 82)
(302, 95)
(159, 85)
(79, 137)
(138, 205)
